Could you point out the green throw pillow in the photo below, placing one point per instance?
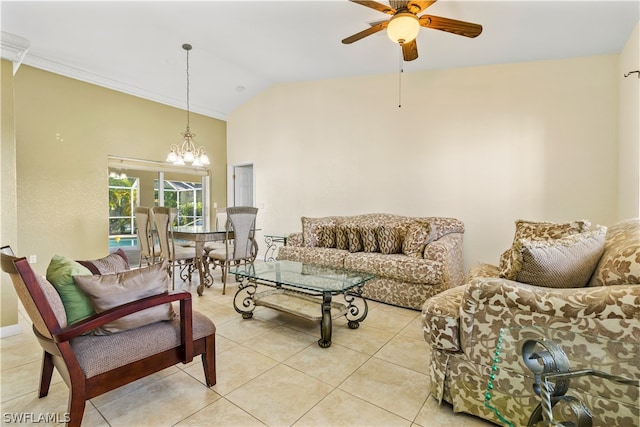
(76, 303)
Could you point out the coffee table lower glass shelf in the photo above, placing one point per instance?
(304, 290)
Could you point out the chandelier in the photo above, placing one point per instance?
(186, 151)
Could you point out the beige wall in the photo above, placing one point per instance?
(629, 154)
(8, 206)
(487, 145)
(65, 130)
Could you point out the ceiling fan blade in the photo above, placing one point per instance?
(398, 4)
(416, 6)
(377, 6)
(410, 50)
(362, 34)
(460, 28)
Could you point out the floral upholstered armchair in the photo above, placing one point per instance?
(487, 337)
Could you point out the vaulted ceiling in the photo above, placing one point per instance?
(240, 48)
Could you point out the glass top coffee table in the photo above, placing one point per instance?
(305, 290)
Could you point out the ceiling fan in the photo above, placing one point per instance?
(404, 25)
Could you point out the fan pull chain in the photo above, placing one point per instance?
(401, 70)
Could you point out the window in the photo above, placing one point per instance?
(123, 197)
(186, 197)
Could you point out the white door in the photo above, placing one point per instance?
(243, 185)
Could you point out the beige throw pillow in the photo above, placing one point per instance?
(311, 230)
(342, 238)
(537, 231)
(369, 239)
(389, 239)
(111, 290)
(567, 262)
(355, 241)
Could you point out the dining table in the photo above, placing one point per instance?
(200, 235)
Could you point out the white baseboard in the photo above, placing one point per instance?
(8, 331)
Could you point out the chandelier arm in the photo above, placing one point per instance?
(186, 150)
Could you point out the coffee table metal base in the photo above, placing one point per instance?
(316, 307)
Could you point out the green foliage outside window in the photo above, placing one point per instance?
(123, 195)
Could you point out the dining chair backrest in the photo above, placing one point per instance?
(241, 220)
(221, 219)
(164, 218)
(145, 237)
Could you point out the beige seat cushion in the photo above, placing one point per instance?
(98, 354)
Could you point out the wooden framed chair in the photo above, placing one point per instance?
(148, 250)
(176, 255)
(241, 224)
(92, 365)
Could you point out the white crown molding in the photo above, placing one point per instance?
(13, 48)
(56, 67)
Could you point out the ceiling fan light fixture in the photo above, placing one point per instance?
(403, 27)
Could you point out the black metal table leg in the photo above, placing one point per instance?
(248, 289)
(325, 323)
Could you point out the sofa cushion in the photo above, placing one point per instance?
(342, 238)
(369, 239)
(355, 241)
(311, 229)
(97, 355)
(111, 290)
(389, 239)
(620, 263)
(60, 272)
(329, 257)
(539, 231)
(396, 266)
(417, 237)
(567, 262)
(115, 262)
(327, 236)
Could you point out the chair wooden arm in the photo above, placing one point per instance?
(97, 320)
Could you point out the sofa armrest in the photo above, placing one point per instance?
(441, 319)
(295, 239)
(447, 250)
(489, 304)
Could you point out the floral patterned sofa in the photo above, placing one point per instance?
(476, 332)
(413, 258)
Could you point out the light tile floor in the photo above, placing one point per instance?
(270, 371)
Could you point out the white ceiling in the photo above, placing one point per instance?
(240, 48)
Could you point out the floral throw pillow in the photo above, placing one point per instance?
(417, 237)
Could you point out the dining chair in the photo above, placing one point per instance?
(176, 255)
(221, 225)
(149, 251)
(241, 222)
(92, 365)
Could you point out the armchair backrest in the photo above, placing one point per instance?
(39, 298)
(163, 218)
(241, 220)
(145, 238)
